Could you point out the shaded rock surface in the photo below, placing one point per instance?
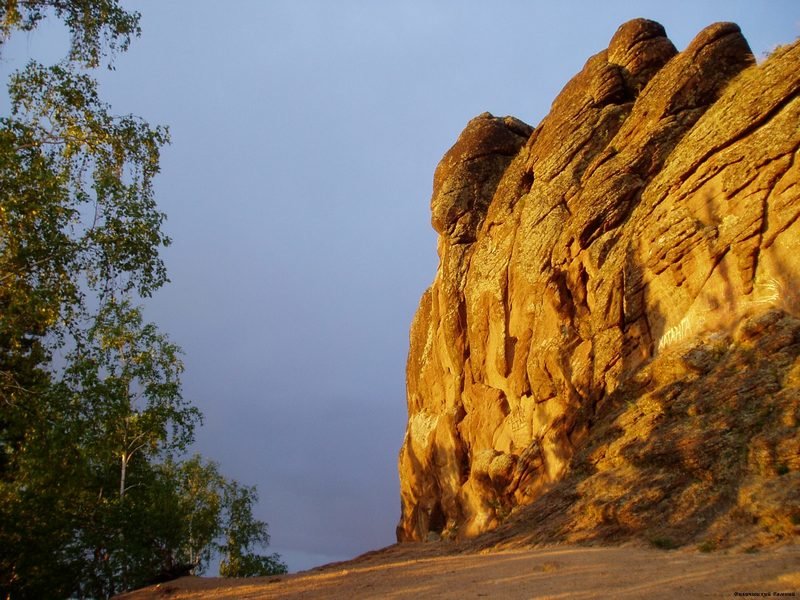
(657, 203)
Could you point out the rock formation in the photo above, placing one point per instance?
(657, 203)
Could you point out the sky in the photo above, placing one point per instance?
(305, 135)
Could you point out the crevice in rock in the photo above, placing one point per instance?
(751, 128)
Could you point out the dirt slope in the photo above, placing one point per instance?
(435, 571)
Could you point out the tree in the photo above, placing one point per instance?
(243, 533)
(126, 377)
(92, 498)
(96, 26)
(78, 228)
(199, 485)
(219, 520)
(78, 221)
(77, 200)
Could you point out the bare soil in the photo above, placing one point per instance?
(441, 571)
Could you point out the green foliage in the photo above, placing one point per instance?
(243, 534)
(199, 487)
(95, 25)
(77, 197)
(86, 504)
(92, 499)
(707, 546)
(219, 520)
(126, 379)
(252, 565)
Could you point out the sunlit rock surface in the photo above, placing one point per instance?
(657, 203)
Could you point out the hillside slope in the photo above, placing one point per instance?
(429, 571)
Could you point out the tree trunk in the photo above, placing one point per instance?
(123, 470)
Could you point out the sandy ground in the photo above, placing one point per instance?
(422, 571)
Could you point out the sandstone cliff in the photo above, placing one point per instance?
(649, 215)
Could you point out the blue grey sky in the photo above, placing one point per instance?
(305, 136)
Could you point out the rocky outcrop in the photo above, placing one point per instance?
(657, 202)
(700, 447)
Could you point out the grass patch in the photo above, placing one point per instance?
(664, 543)
(707, 546)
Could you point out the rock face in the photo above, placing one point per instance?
(701, 446)
(658, 202)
